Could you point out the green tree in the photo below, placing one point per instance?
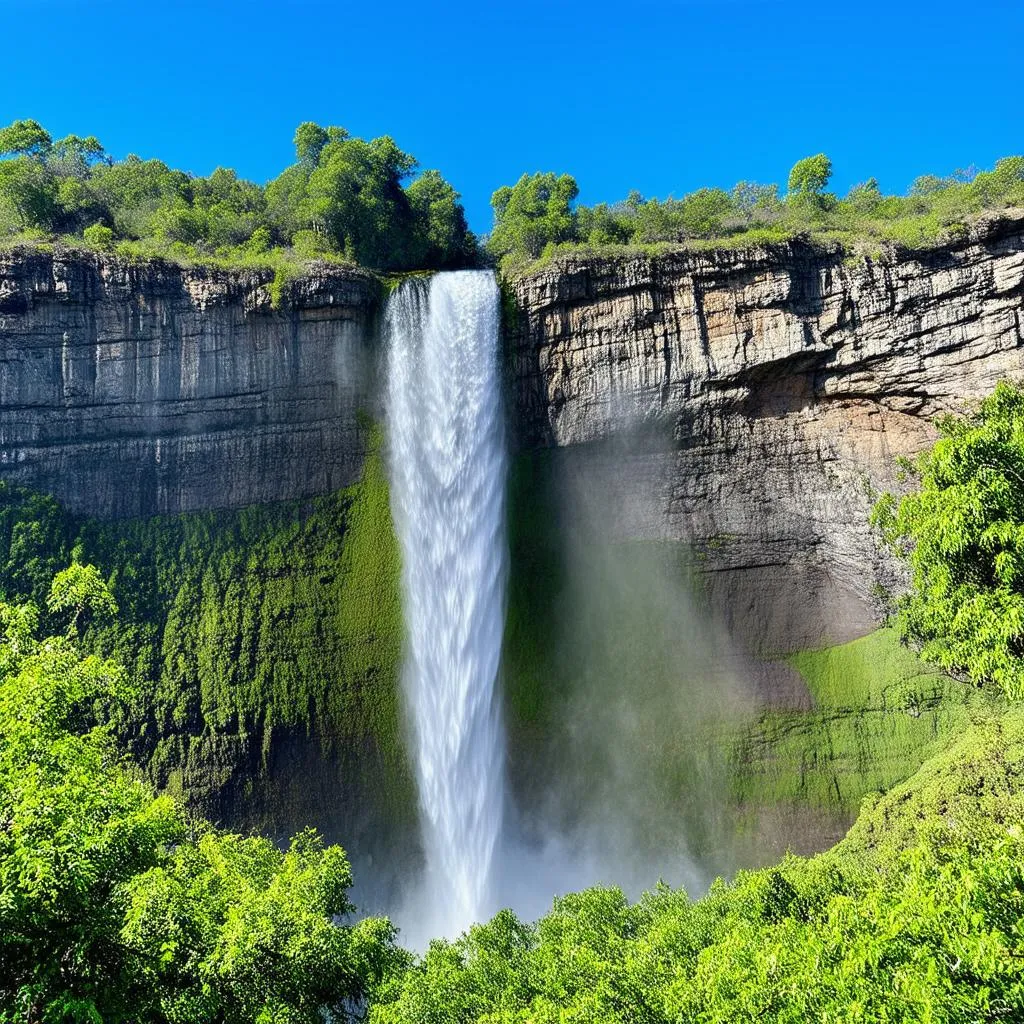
(355, 198)
(25, 138)
(81, 589)
(753, 200)
(702, 213)
(441, 235)
(29, 192)
(810, 176)
(535, 212)
(310, 140)
(113, 905)
(961, 531)
(864, 197)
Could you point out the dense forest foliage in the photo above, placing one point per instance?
(538, 215)
(115, 906)
(343, 198)
(358, 200)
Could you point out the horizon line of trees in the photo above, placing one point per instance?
(363, 201)
(346, 197)
(539, 213)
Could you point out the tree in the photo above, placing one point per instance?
(115, 906)
(864, 197)
(442, 236)
(752, 199)
(535, 212)
(25, 138)
(29, 191)
(810, 176)
(355, 198)
(310, 140)
(961, 531)
(701, 213)
(81, 588)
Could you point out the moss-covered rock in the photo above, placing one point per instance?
(265, 643)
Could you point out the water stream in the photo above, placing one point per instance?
(448, 467)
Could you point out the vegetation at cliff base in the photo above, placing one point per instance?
(961, 530)
(878, 712)
(344, 198)
(115, 906)
(925, 925)
(240, 630)
(537, 216)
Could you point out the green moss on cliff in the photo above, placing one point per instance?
(251, 632)
(879, 712)
(614, 670)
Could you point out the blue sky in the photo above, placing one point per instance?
(661, 96)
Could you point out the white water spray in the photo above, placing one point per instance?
(448, 470)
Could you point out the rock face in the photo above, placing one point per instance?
(752, 402)
(749, 403)
(130, 389)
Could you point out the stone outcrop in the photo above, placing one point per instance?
(752, 403)
(130, 389)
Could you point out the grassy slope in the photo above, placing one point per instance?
(879, 713)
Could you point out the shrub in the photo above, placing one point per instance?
(99, 236)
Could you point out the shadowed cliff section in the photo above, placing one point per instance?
(751, 402)
(142, 388)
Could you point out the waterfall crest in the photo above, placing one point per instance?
(448, 468)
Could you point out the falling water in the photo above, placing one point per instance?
(448, 469)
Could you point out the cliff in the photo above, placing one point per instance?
(740, 408)
(132, 389)
(752, 403)
(748, 403)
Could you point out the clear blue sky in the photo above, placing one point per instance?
(661, 96)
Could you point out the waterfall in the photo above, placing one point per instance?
(448, 470)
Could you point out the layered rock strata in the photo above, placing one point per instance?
(753, 402)
(132, 389)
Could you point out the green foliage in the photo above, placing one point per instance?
(533, 213)
(752, 214)
(810, 176)
(929, 928)
(878, 712)
(79, 589)
(99, 236)
(25, 138)
(239, 626)
(115, 907)
(962, 532)
(344, 198)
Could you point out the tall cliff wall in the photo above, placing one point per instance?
(744, 406)
(750, 403)
(130, 389)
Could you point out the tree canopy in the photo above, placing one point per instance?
(961, 530)
(538, 214)
(344, 197)
(114, 905)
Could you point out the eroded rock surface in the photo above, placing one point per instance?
(130, 389)
(753, 402)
